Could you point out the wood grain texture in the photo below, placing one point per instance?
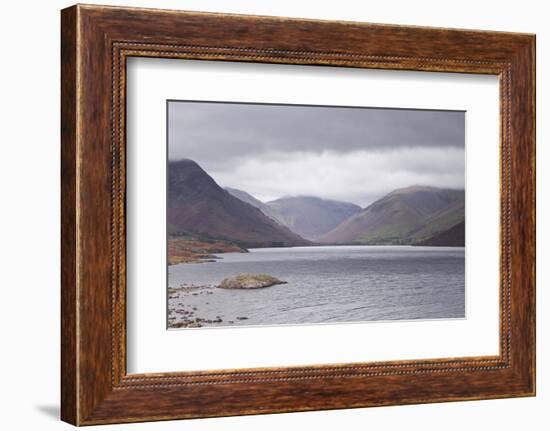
(96, 41)
(69, 397)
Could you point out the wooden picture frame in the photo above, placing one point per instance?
(95, 43)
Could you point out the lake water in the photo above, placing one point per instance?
(325, 285)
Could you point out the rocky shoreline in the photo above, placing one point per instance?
(182, 313)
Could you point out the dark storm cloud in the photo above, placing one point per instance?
(353, 154)
(200, 130)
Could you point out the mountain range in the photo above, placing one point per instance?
(310, 217)
(198, 206)
(249, 199)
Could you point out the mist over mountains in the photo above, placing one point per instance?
(308, 216)
(198, 206)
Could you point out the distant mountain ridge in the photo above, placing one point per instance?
(311, 217)
(197, 205)
(308, 216)
(249, 199)
(404, 216)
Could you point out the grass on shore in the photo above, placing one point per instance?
(185, 250)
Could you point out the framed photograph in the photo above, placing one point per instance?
(338, 195)
(263, 214)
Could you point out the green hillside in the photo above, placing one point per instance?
(404, 216)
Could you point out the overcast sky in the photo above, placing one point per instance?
(350, 154)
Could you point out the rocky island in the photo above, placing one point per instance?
(249, 281)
